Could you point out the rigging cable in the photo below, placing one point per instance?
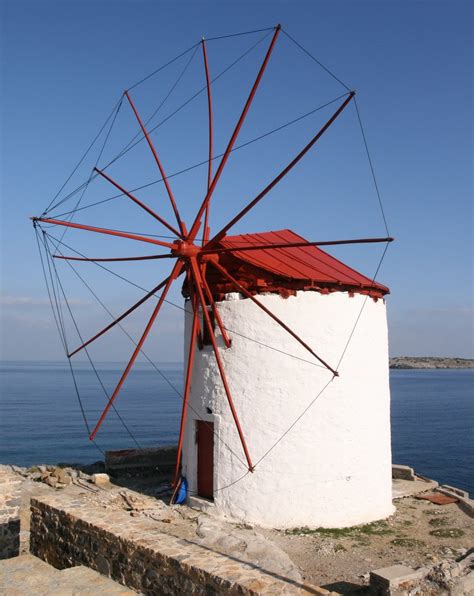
(189, 100)
(85, 349)
(165, 378)
(316, 60)
(82, 158)
(371, 166)
(191, 48)
(185, 309)
(81, 405)
(78, 202)
(206, 161)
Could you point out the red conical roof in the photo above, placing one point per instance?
(309, 267)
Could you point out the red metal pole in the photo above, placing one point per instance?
(121, 317)
(209, 165)
(140, 203)
(187, 388)
(270, 314)
(283, 173)
(193, 297)
(215, 310)
(197, 222)
(143, 258)
(296, 245)
(159, 164)
(174, 274)
(70, 224)
(195, 271)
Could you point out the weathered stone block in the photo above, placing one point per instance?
(387, 580)
(402, 472)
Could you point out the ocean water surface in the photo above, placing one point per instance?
(41, 420)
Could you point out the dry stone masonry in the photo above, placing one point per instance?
(10, 501)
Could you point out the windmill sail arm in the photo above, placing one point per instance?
(187, 388)
(113, 259)
(121, 317)
(246, 293)
(138, 202)
(158, 163)
(220, 366)
(210, 126)
(174, 274)
(71, 224)
(197, 221)
(295, 245)
(282, 174)
(215, 311)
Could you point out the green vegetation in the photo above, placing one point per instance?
(407, 542)
(447, 533)
(373, 529)
(438, 521)
(339, 548)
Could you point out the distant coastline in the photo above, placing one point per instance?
(430, 362)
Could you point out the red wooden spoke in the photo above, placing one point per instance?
(270, 314)
(207, 320)
(159, 164)
(283, 173)
(197, 222)
(140, 203)
(209, 165)
(187, 388)
(70, 224)
(174, 274)
(296, 245)
(215, 310)
(143, 258)
(194, 303)
(121, 317)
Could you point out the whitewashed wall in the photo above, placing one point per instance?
(333, 468)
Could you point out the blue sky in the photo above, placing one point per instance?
(65, 64)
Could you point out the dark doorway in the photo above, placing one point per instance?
(205, 457)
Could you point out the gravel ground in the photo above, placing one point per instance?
(419, 534)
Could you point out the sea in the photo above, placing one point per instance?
(41, 420)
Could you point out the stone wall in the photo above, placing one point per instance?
(66, 531)
(10, 501)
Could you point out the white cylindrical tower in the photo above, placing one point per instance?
(320, 445)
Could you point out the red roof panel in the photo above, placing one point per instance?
(307, 263)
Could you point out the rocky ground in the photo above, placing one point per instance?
(429, 362)
(419, 534)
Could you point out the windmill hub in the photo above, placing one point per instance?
(185, 249)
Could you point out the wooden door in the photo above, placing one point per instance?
(205, 457)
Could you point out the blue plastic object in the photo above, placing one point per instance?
(182, 492)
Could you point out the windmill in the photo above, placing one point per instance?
(221, 273)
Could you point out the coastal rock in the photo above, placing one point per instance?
(416, 362)
(100, 479)
(249, 546)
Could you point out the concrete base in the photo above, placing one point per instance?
(408, 488)
(394, 579)
(201, 504)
